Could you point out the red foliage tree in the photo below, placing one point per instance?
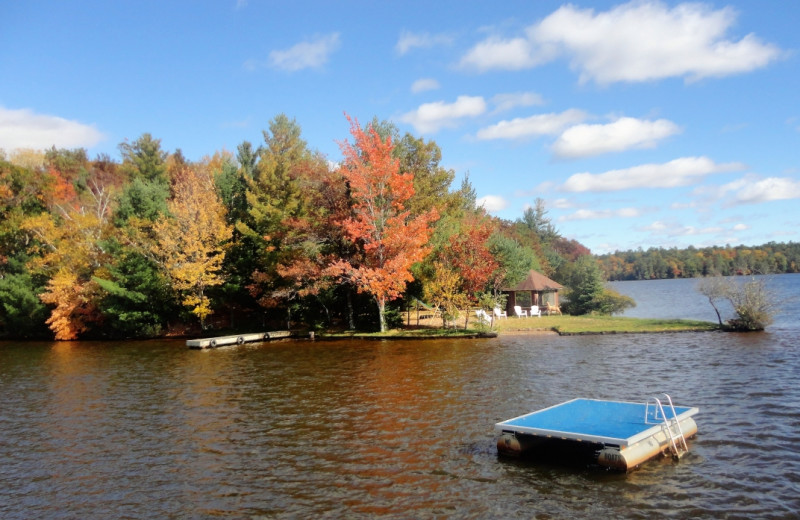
(470, 256)
(389, 239)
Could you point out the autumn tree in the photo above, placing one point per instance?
(279, 204)
(68, 246)
(443, 290)
(389, 238)
(191, 243)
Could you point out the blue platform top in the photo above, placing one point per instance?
(610, 422)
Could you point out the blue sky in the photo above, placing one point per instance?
(640, 124)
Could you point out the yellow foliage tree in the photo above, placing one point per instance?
(443, 290)
(68, 245)
(191, 244)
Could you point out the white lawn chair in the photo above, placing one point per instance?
(482, 316)
(519, 312)
(536, 311)
(500, 314)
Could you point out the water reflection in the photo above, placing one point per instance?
(393, 429)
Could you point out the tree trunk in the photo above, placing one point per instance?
(351, 322)
(382, 313)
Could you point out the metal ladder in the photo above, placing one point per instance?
(672, 425)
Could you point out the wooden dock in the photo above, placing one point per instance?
(239, 339)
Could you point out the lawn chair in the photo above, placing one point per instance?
(519, 312)
(536, 311)
(500, 314)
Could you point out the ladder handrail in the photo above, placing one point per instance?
(667, 422)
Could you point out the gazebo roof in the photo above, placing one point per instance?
(536, 281)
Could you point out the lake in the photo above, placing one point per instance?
(395, 429)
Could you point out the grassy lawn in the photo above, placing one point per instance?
(600, 325)
(561, 324)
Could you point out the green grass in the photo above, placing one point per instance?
(601, 325)
(561, 324)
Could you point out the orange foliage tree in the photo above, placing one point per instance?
(191, 245)
(68, 244)
(388, 238)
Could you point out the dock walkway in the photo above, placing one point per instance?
(239, 339)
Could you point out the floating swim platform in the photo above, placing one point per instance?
(622, 435)
(238, 339)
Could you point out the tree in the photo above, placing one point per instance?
(443, 290)
(388, 237)
(22, 314)
(753, 303)
(74, 307)
(536, 219)
(715, 288)
(468, 253)
(191, 244)
(585, 287)
(68, 248)
(515, 261)
(280, 203)
(145, 159)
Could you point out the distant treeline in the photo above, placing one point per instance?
(657, 263)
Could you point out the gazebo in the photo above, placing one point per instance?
(535, 289)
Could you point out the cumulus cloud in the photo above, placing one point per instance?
(633, 42)
(675, 229)
(409, 41)
(503, 102)
(309, 54)
(424, 84)
(23, 128)
(506, 54)
(625, 133)
(752, 191)
(593, 214)
(430, 117)
(541, 124)
(492, 203)
(678, 172)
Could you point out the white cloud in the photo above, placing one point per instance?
(638, 41)
(304, 55)
(430, 117)
(503, 102)
(423, 84)
(678, 172)
(409, 41)
(506, 54)
(750, 191)
(23, 128)
(563, 204)
(592, 214)
(541, 124)
(623, 134)
(674, 229)
(492, 203)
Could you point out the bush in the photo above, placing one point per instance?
(612, 302)
(753, 303)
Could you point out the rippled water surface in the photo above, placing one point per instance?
(399, 429)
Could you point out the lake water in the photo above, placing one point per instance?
(399, 429)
